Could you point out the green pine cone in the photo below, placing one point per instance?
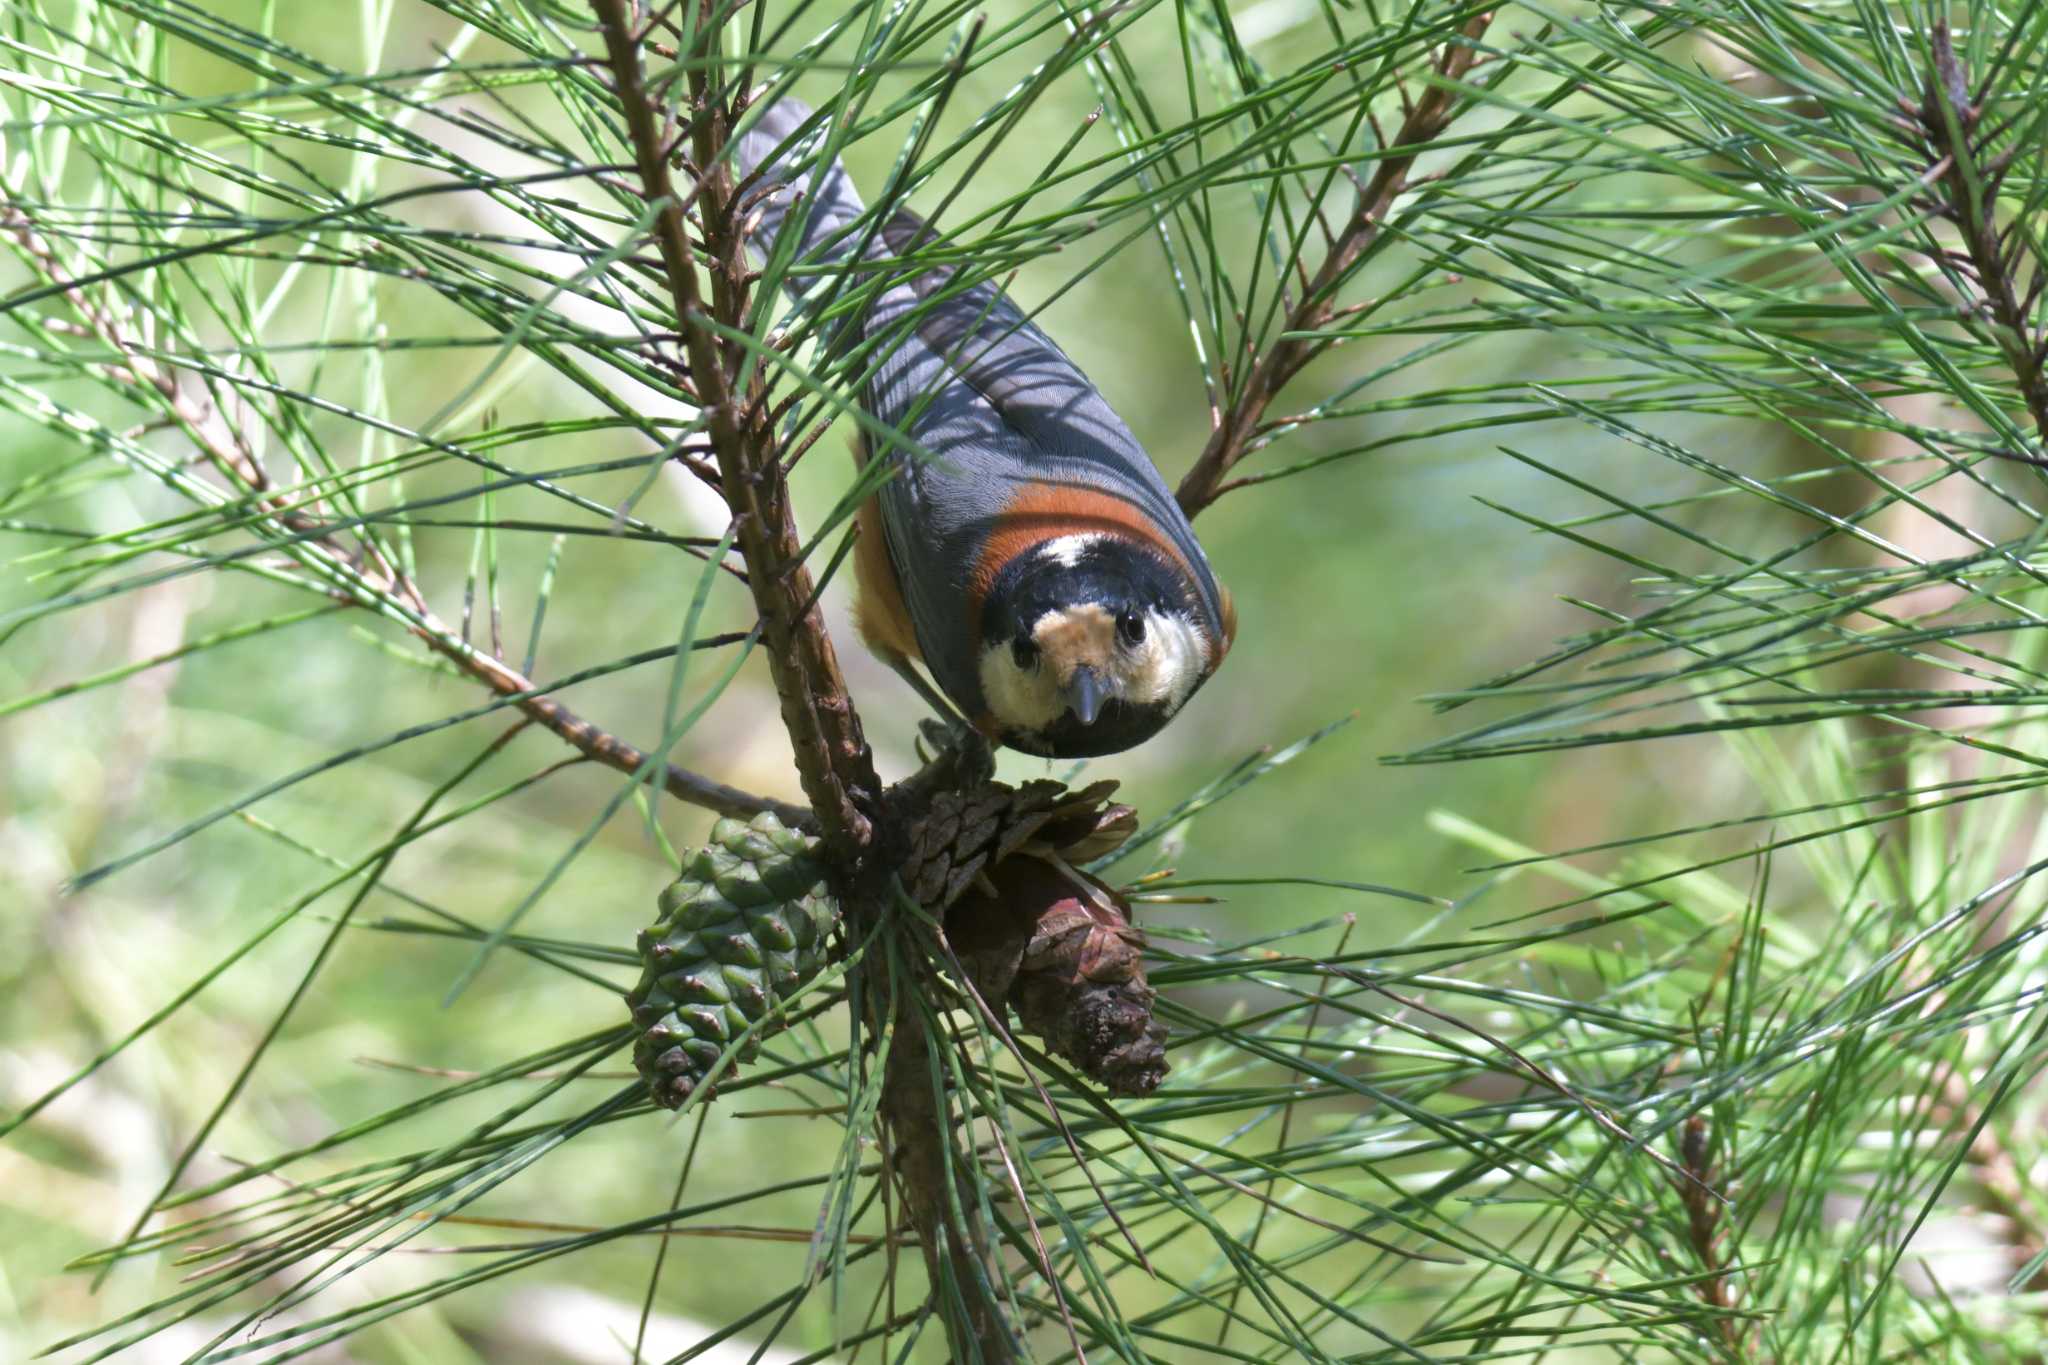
(742, 929)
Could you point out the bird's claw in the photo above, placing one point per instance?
(940, 735)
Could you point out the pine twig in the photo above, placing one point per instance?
(1427, 118)
(1951, 120)
(917, 1128)
(832, 757)
(368, 579)
(1703, 1214)
(1970, 196)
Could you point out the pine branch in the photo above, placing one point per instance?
(1970, 183)
(1670, 243)
(368, 579)
(1698, 1193)
(1427, 119)
(832, 757)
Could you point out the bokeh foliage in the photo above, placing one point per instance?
(1729, 1050)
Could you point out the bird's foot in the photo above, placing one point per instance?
(951, 736)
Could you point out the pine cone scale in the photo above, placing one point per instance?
(741, 930)
(1035, 932)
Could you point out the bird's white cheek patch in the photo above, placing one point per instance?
(1019, 698)
(1160, 671)
(1165, 667)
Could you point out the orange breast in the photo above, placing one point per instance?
(879, 612)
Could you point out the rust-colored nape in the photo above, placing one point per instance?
(1039, 512)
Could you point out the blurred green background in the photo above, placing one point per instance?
(1361, 588)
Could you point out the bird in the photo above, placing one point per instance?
(1024, 549)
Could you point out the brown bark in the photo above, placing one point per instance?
(1240, 422)
(858, 832)
(223, 445)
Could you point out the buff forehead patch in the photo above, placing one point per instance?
(1084, 634)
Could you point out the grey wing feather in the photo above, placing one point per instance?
(1034, 391)
(824, 201)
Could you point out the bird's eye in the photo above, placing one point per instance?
(1130, 628)
(1024, 653)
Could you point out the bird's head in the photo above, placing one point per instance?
(1089, 644)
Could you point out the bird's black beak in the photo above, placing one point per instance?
(1084, 694)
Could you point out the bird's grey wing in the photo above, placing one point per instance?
(1033, 386)
(1040, 410)
(822, 201)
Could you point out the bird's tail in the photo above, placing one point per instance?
(824, 204)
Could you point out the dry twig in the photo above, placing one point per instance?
(367, 579)
(1317, 306)
(859, 831)
(1951, 122)
(1704, 1210)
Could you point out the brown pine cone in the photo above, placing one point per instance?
(1035, 931)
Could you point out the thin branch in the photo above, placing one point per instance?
(1704, 1215)
(368, 578)
(1971, 196)
(1427, 118)
(832, 757)
(918, 1131)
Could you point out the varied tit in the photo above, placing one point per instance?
(1035, 563)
